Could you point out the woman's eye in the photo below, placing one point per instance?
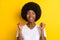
(33, 14)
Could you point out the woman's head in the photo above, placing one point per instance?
(31, 12)
(31, 15)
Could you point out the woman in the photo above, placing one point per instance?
(31, 12)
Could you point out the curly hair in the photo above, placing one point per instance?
(31, 6)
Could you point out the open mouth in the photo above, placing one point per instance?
(30, 18)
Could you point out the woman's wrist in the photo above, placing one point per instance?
(42, 33)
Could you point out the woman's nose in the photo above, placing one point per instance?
(30, 15)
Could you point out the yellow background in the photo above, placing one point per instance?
(10, 15)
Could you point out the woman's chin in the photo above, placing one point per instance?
(31, 21)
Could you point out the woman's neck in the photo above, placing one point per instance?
(31, 25)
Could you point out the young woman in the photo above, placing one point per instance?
(31, 12)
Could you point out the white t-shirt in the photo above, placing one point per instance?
(31, 34)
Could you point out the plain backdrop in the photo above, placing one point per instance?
(10, 11)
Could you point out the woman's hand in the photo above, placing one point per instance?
(20, 26)
(42, 26)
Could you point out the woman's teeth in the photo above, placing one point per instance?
(31, 18)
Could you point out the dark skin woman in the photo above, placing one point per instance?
(31, 17)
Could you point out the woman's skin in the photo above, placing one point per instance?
(31, 19)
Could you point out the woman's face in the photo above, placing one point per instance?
(31, 15)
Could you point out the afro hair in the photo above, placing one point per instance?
(31, 6)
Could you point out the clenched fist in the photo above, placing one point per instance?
(42, 26)
(20, 26)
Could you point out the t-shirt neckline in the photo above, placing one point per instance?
(29, 28)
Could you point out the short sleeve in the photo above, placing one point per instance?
(17, 33)
(44, 33)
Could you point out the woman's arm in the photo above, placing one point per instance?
(20, 36)
(42, 26)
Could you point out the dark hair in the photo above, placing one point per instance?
(31, 6)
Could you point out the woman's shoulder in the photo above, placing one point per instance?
(37, 25)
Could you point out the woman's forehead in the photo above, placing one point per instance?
(31, 12)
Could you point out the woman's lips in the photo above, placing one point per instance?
(30, 18)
